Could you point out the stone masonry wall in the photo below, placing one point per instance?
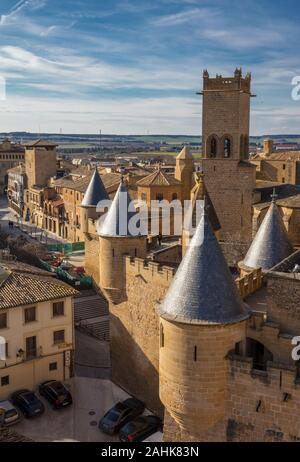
(134, 331)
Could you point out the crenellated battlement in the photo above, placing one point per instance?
(277, 375)
(220, 83)
(250, 283)
(150, 270)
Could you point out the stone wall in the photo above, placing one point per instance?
(134, 331)
(261, 406)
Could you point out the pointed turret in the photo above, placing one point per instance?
(202, 319)
(271, 243)
(198, 195)
(117, 219)
(95, 191)
(116, 240)
(203, 290)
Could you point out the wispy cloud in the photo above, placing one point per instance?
(20, 7)
(183, 17)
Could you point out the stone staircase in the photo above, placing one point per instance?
(91, 315)
(90, 306)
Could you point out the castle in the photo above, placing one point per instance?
(207, 349)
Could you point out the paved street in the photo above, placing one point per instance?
(79, 422)
(31, 232)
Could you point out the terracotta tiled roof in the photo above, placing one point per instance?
(285, 155)
(19, 289)
(158, 178)
(81, 185)
(19, 267)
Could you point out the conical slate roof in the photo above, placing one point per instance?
(203, 290)
(95, 191)
(116, 221)
(199, 193)
(271, 243)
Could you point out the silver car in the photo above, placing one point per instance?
(9, 415)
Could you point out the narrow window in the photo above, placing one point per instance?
(213, 147)
(58, 309)
(283, 180)
(30, 314)
(3, 320)
(31, 350)
(53, 367)
(4, 380)
(135, 252)
(227, 147)
(58, 337)
(162, 336)
(113, 252)
(195, 353)
(283, 167)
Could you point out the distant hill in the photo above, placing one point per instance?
(168, 139)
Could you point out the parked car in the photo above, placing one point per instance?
(56, 394)
(140, 428)
(9, 415)
(120, 414)
(28, 403)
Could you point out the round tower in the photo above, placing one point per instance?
(95, 193)
(116, 240)
(271, 243)
(201, 319)
(198, 194)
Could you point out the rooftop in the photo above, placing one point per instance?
(19, 289)
(158, 178)
(203, 290)
(95, 191)
(271, 243)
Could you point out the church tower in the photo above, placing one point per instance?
(229, 177)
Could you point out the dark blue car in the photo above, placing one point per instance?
(28, 403)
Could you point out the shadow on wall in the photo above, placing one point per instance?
(131, 369)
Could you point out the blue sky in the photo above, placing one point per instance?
(134, 66)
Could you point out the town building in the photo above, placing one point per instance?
(277, 166)
(37, 326)
(11, 155)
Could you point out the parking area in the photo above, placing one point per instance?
(79, 422)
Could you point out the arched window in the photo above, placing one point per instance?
(227, 147)
(174, 196)
(213, 147)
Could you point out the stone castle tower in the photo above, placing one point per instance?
(95, 193)
(202, 318)
(229, 177)
(116, 241)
